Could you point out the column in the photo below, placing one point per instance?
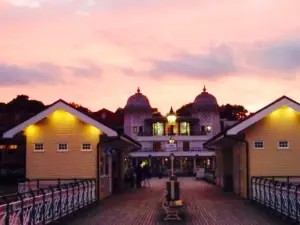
(110, 175)
(104, 165)
(121, 171)
(181, 165)
(194, 164)
(149, 163)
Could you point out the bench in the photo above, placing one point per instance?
(172, 209)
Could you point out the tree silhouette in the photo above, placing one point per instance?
(81, 108)
(228, 111)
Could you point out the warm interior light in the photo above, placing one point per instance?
(93, 130)
(171, 118)
(31, 130)
(12, 146)
(284, 111)
(62, 116)
(2, 146)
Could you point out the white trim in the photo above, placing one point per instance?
(59, 105)
(62, 150)
(35, 150)
(86, 150)
(257, 147)
(288, 145)
(253, 119)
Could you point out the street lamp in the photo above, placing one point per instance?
(172, 157)
(171, 117)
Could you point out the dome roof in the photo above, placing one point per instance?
(205, 101)
(138, 101)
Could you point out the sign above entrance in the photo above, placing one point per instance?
(171, 147)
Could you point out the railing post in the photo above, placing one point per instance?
(264, 191)
(67, 199)
(52, 203)
(44, 207)
(32, 214)
(7, 209)
(38, 184)
(73, 197)
(22, 206)
(60, 200)
(297, 204)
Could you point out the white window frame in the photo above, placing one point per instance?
(263, 143)
(86, 150)
(38, 150)
(62, 150)
(278, 144)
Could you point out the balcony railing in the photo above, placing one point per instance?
(280, 194)
(42, 204)
(194, 133)
(194, 149)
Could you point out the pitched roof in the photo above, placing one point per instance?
(60, 104)
(255, 117)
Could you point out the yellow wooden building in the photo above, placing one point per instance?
(266, 143)
(64, 143)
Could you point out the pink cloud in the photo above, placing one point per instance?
(122, 38)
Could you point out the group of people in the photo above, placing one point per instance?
(135, 176)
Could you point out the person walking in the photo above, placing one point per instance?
(147, 176)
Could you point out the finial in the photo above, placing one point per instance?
(171, 110)
(138, 90)
(204, 89)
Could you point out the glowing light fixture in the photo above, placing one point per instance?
(208, 128)
(31, 130)
(2, 146)
(171, 117)
(171, 141)
(12, 147)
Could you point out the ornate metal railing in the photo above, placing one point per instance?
(44, 205)
(192, 133)
(209, 175)
(278, 194)
(192, 149)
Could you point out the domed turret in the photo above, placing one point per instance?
(205, 102)
(138, 102)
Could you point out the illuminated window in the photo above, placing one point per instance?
(258, 145)
(38, 147)
(12, 147)
(2, 146)
(283, 144)
(62, 147)
(158, 129)
(134, 129)
(86, 147)
(185, 128)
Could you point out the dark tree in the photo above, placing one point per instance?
(81, 108)
(185, 110)
(22, 104)
(229, 112)
(233, 112)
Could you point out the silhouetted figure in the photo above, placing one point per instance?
(146, 175)
(138, 172)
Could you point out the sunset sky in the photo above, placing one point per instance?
(97, 52)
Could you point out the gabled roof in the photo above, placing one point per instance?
(60, 104)
(255, 117)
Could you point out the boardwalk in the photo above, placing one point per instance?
(204, 204)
